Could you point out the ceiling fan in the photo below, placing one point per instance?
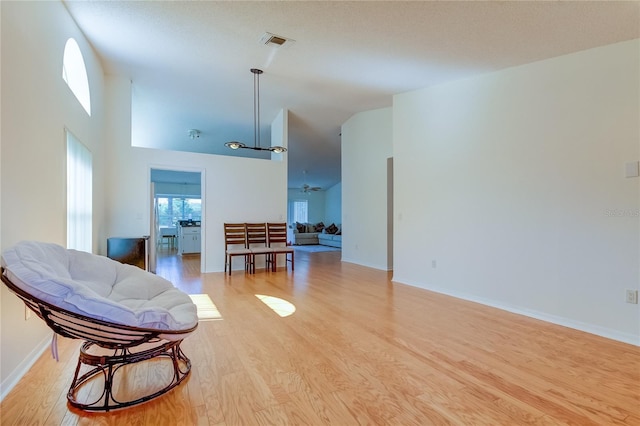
(307, 189)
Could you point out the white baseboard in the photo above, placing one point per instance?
(543, 316)
(368, 265)
(12, 380)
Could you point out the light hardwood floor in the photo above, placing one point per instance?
(358, 350)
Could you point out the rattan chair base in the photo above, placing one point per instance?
(106, 367)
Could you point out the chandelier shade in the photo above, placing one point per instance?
(235, 145)
(256, 121)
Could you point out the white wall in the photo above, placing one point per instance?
(280, 134)
(507, 183)
(37, 106)
(234, 189)
(366, 146)
(333, 205)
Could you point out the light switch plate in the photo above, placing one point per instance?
(632, 169)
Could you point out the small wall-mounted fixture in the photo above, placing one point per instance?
(194, 133)
(632, 169)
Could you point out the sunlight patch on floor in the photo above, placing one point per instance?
(207, 310)
(277, 305)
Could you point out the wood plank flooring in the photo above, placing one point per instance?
(357, 350)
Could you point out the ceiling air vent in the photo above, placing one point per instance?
(269, 39)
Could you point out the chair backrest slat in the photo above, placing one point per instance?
(277, 233)
(235, 234)
(256, 233)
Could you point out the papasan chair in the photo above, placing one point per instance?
(129, 320)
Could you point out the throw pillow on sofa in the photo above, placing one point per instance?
(331, 229)
(301, 227)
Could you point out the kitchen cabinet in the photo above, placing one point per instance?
(189, 239)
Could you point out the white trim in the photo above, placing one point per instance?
(554, 319)
(368, 265)
(12, 379)
(203, 202)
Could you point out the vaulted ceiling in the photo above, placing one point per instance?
(189, 61)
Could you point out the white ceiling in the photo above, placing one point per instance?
(189, 61)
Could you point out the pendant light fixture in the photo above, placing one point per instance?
(256, 121)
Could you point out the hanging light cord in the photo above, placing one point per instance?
(256, 106)
(256, 121)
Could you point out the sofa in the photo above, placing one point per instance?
(332, 240)
(331, 236)
(305, 233)
(304, 238)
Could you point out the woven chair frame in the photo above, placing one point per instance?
(126, 345)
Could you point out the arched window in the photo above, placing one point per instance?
(74, 73)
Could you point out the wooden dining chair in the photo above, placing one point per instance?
(277, 241)
(235, 244)
(257, 243)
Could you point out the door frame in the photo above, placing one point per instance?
(151, 198)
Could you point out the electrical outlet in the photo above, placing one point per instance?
(632, 296)
(27, 313)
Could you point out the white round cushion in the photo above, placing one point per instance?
(98, 287)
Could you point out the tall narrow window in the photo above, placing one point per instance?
(79, 195)
(74, 73)
(299, 211)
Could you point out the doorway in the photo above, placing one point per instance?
(176, 216)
